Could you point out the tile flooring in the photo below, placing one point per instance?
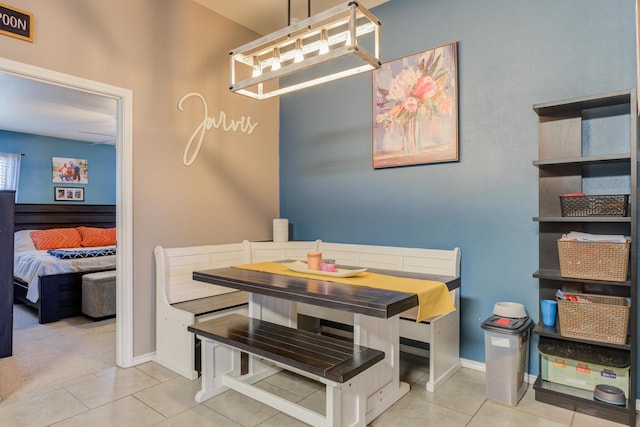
(150, 395)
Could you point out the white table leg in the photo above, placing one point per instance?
(383, 385)
(274, 310)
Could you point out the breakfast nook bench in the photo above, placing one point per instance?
(334, 362)
(182, 301)
(176, 293)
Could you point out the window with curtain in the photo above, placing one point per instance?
(9, 171)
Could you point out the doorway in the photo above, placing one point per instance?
(124, 209)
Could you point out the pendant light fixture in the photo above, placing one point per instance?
(327, 46)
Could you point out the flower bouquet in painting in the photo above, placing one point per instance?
(415, 109)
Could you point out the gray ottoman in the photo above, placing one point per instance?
(99, 294)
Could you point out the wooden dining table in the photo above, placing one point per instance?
(376, 315)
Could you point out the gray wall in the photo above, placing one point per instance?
(162, 50)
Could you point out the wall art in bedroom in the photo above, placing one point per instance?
(68, 194)
(69, 170)
(415, 109)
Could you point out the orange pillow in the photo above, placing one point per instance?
(56, 238)
(92, 236)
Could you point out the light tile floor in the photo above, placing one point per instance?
(150, 395)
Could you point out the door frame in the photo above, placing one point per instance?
(124, 179)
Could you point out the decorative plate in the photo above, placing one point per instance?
(301, 267)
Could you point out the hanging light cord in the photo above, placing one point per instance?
(289, 11)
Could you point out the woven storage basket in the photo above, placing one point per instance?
(606, 205)
(594, 260)
(604, 319)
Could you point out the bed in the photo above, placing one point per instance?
(58, 283)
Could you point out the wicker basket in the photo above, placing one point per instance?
(594, 260)
(604, 319)
(612, 205)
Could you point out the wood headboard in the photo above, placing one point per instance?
(42, 216)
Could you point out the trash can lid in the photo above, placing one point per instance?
(507, 325)
(509, 309)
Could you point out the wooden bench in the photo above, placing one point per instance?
(181, 301)
(334, 362)
(438, 338)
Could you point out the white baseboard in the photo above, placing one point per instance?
(141, 359)
(472, 364)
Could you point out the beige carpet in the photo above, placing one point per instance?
(44, 355)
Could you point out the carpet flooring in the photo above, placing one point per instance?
(48, 354)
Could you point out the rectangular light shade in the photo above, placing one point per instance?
(334, 36)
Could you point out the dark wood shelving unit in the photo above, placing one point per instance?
(554, 332)
(582, 401)
(7, 213)
(555, 275)
(584, 219)
(577, 147)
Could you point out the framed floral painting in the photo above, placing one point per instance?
(415, 109)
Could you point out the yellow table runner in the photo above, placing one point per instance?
(433, 297)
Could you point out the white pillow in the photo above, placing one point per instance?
(22, 241)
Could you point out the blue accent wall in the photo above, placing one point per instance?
(36, 184)
(511, 55)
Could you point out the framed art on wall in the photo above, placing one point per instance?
(68, 194)
(73, 171)
(415, 109)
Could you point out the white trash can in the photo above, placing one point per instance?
(506, 355)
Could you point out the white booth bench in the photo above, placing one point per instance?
(181, 301)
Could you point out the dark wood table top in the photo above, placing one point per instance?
(352, 298)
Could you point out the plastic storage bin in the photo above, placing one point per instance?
(583, 375)
(506, 355)
(582, 365)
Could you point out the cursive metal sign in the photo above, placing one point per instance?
(244, 125)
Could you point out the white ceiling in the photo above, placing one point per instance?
(30, 106)
(267, 16)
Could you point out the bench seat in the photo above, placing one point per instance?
(335, 359)
(341, 366)
(208, 305)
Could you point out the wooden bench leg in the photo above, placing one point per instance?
(217, 360)
(346, 404)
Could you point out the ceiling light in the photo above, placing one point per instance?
(256, 68)
(324, 42)
(334, 36)
(275, 63)
(298, 56)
